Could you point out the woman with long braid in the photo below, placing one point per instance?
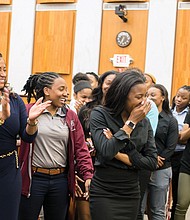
(48, 165)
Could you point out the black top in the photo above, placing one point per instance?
(140, 147)
(166, 137)
(14, 125)
(185, 160)
(84, 120)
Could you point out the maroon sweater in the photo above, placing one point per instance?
(77, 150)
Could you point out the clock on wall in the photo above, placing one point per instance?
(123, 39)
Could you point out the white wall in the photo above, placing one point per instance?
(160, 40)
(87, 38)
(21, 42)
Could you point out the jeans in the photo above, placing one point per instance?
(51, 191)
(183, 200)
(158, 188)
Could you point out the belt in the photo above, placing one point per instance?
(49, 171)
(9, 154)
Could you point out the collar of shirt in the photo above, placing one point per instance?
(162, 114)
(180, 113)
(59, 112)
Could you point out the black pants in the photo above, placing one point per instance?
(51, 191)
(10, 188)
(175, 163)
(144, 178)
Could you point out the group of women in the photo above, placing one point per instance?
(54, 147)
(52, 140)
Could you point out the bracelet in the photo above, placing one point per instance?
(34, 124)
(1, 121)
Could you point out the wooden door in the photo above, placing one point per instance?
(54, 43)
(181, 66)
(5, 22)
(5, 2)
(126, 1)
(112, 25)
(55, 1)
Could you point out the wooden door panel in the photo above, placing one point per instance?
(5, 2)
(55, 1)
(5, 19)
(53, 44)
(181, 66)
(126, 1)
(111, 26)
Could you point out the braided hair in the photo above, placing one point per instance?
(35, 84)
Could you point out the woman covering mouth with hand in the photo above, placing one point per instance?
(114, 191)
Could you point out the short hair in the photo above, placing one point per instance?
(116, 96)
(35, 84)
(93, 74)
(79, 76)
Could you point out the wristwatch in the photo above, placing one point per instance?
(130, 124)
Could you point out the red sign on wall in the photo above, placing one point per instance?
(121, 60)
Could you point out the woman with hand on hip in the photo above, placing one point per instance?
(114, 191)
(13, 122)
(48, 165)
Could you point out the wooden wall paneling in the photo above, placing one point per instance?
(54, 43)
(181, 67)
(5, 22)
(111, 26)
(126, 1)
(55, 1)
(5, 2)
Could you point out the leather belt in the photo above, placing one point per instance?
(49, 171)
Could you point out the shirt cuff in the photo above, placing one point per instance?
(121, 135)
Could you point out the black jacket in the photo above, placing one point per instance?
(140, 147)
